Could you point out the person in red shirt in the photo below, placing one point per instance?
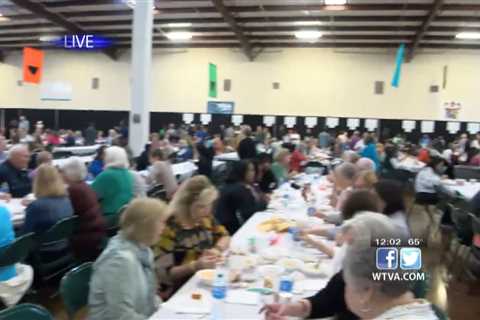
(53, 138)
(424, 155)
(297, 158)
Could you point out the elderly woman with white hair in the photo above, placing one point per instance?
(352, 293)
(115, 185)
(91, 230)
(343, 178)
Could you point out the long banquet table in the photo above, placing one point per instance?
(467, 189)
(286, 203)
(78, 150)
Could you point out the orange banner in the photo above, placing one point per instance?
(32, 65)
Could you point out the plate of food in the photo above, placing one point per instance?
(272, 254)
(276, 225)
(314, 269)
(291, 263)
(207, 276)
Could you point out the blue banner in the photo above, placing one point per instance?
(398, 67)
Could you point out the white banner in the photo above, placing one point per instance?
(371, 124)
(473, 128)
(408, 125)
(453, 127)
(353, 124)
(332, 122)
(188, 118)
(428, 126)
(269, 120)
(311, 122)
(237, 119)
(205, 118)
(290, 122)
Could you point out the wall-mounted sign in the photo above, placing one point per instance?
(222, 107)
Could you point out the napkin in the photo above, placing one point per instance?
(242, 296)
(311, 284)
(184, 303)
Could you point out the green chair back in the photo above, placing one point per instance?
(62, 230)
(48, 268)
(74, 288)
(26, 311)
(18, 250)
(463, 225)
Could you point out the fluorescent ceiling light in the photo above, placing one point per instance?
(178, 35)
(179, 25)
(307, 23)
(48, 38)
(2, 18)
(468, 35)
(308, 34)
(133, 3)
(335, 2)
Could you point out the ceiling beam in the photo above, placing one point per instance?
(228, 17)
(41, 11)
(436, 7)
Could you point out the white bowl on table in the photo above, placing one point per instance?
(315, 269)
(291, 264)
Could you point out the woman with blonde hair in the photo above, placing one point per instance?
(115, 185)
(365, 179)
(52, 203)
(192, 239)
(123, 283)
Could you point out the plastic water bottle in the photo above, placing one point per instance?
(219, 294)
(286, 288)
(285, 200)
(311, 210)
(295, 233)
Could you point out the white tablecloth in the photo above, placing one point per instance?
(231, 156)
(61, 162)
(17, 210)
(296, 209)
(468, 190)
(185, 170)
(78, 150)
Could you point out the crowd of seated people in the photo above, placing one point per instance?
(161, 244)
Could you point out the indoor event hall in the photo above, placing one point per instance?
(239, 159)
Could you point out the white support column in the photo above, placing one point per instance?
(139, 125)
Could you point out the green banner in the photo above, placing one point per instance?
(212, 82)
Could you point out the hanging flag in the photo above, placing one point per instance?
(212, 82)
(398, 67)
(32, 65)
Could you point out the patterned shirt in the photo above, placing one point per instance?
(180, 246)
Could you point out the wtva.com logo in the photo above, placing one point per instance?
(391, 258)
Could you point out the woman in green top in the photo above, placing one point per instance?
(114, 186)
(281, 165)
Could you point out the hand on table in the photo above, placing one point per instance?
(207, 262)
(25, 201)
(320, 214)
(213, 252)
(274, 311)
(5, 196)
